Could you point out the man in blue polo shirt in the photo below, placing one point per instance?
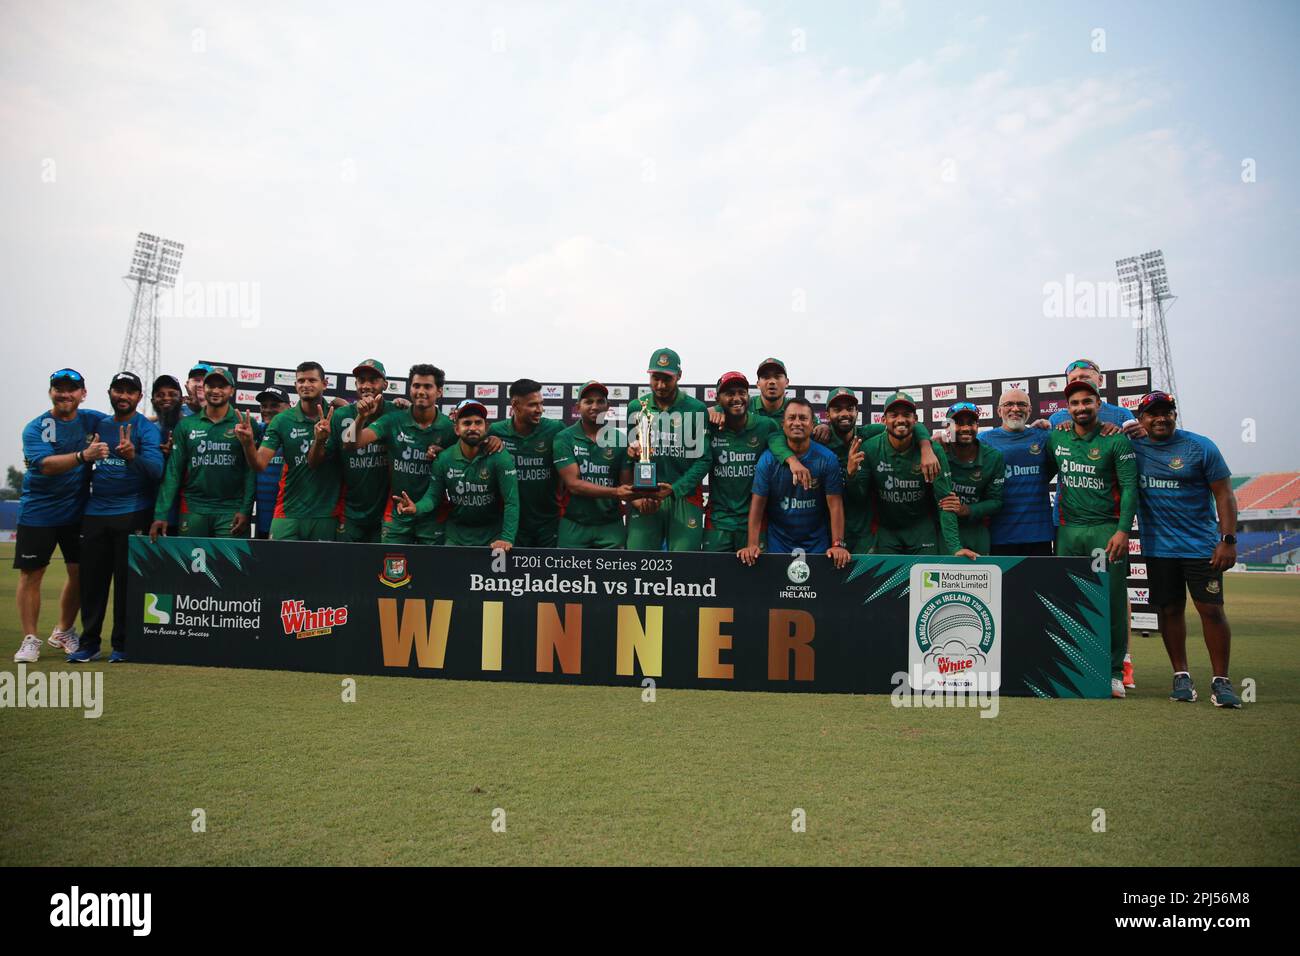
(58, 447)
(1024, 525)
(1183, 482)
(123, 485)
(812, 518)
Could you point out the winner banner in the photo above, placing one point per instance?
(1017, 626)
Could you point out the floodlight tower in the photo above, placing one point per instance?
(1144, 283)
(154, 265)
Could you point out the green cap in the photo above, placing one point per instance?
(374, 365)
(218, 372)
(593, 384)
(666, 360)
(772, 361)
(842, 391)
(900, 398)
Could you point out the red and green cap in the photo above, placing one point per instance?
(900, 398)
(374, 365)
(770, 362)
(1080, 384)
(733, 379)
(666, 360)
(841, 391)
(470, 406)
(1153, 400)
(593, 385)
(220, 372)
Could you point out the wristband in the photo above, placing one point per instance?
(81, 458)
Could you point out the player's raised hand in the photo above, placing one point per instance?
(821, 432)
(404, 504)
(322, 432)
(243, 428)
(432, 452)
(634, 450)
(856, 457)
(125, 447)
(95, 449)
(717, 417)
(491, 444)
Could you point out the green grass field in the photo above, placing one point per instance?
(411, 773)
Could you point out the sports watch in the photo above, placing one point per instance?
(1228, 538)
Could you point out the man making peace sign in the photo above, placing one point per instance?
(308, 506)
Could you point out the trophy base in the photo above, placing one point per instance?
(645, 476)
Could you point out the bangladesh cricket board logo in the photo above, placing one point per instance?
(158, 608)
(396, 573)
(954, 629)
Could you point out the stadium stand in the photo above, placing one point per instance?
(1274, 490)
(1265, 547)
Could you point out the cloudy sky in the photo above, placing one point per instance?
(879, 193)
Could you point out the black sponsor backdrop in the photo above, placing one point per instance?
(1053, 614)
(1122, 387)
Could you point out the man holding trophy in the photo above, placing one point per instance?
(670, 457)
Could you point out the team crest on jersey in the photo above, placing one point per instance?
(753, 441)
(609, 454)
(690, 522)
(1213, 587)
(916, 467)
(1035, 449)
(976, 475)
(1175, 463)
(482, 473)
(396, 573)
(1094, 454)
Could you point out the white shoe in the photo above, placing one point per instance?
(30, 652)
(1116, 687)
(67, 641)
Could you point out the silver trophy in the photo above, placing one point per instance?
(645, 476)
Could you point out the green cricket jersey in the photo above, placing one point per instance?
(407, 444)
(731, 476)
(365, 469)
(900, 496)
(681, 443)
(206, 469)
(535, 462)
(598, 464)
(1096, 479)
(305, 492)
(978, 483)
(483, 490)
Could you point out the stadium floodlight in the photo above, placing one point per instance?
(155, 264)
(1144, 285)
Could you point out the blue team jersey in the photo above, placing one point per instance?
(121, 487)
(798, 517)
(53, 500)
(268, 483)
(1026, 514)
(1175, 503)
